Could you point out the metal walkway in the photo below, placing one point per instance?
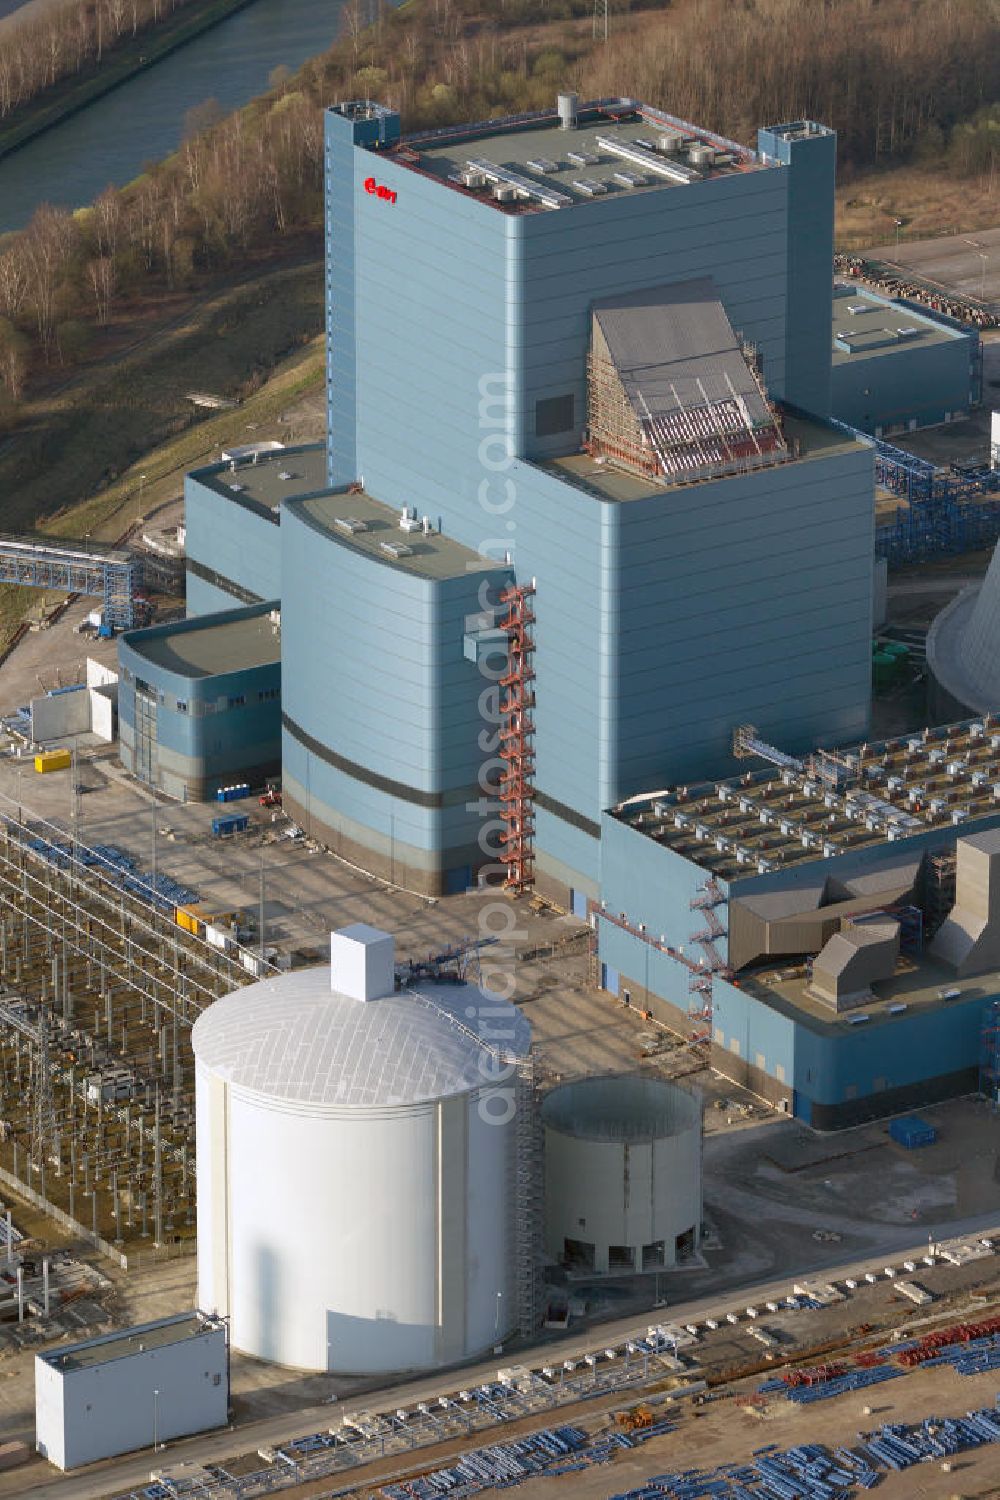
(110, 573)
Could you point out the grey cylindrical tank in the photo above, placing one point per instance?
(622, 1173)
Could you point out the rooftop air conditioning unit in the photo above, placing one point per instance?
(542, 164)
(350, 524)
(503, 192)
(701, 156)
(670, 141)
(590, 187)
(472, 179)
(396, 549)
(582, 158)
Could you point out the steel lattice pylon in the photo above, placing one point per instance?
(516, 740)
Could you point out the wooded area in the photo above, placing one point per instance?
(897, 78)
(69, 38)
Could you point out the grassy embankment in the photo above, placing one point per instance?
(131, 55)
(76, 471)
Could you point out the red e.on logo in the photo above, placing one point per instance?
(376, 190)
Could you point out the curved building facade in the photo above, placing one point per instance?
(199, 701)
(385, 728)
(356, 1170)
(963, 650)
(622, 1174)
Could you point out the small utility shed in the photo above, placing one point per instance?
(131, 1389)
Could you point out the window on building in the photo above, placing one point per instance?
(734, 1045)
(554, 414)
(237, 700)
(653, 1255)
(760, 1061)
(579, 1254)
(685, 1244)
(621, 1258)
(182, 707)
(779, 1072)
(719, 1036)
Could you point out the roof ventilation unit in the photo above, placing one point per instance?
(350, 524)
(590, 187)
(408, 522)
(504, 192)
(542, 164)
(670, 141)
(582, 158)
(472, 179)
(396, 549)
(567, 105)
(701, 156)
(628, 179)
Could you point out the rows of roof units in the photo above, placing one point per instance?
(552, 160)
(830, 803)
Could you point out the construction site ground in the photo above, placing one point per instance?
(730, 1360)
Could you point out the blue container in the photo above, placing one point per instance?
(911, 1131)
(235, 823)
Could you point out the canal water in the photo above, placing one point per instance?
(143, 120)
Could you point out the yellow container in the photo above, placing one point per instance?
(190, 918)
(53, 760)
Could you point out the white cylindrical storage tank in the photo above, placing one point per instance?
(622, 1174)
(357, 1172)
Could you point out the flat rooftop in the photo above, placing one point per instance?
(357, 520)
(806, 439)
(271, 477)
(864, 326)
(830, 803)
(616, 148)
(919, 984)
(111, 1346)
(196, 649)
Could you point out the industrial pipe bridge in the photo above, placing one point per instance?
(110, 573)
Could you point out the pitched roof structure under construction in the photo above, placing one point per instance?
(672, 392)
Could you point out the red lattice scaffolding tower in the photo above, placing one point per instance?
(517, 731)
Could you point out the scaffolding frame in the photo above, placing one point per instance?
(517, 729)
(695, 441)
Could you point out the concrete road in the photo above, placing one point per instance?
(120, 1475)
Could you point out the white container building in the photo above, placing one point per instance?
(357, 1165)
(135, 1388)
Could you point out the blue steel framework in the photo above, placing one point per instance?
(112, 576)
(944, 513)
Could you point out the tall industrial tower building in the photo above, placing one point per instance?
(581, 512)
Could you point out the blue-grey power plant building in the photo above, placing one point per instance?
(585, 353)
(581, 538)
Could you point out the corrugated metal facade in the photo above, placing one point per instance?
(660, 622)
